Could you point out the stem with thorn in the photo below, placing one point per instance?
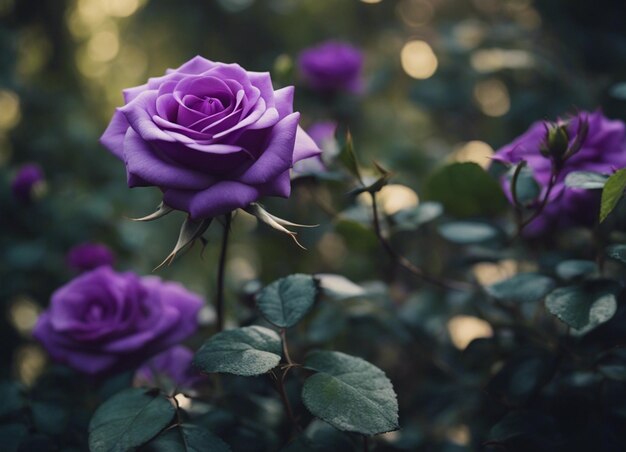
(219, 298)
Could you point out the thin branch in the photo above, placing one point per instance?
(407, 264)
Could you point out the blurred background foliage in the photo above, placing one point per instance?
(446, 80)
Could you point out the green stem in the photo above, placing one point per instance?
(219, 297)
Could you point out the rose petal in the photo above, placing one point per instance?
(143, 161)
(113, 136)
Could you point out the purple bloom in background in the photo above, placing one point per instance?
(103, 321)
(88, 256)
(172, 368)
(212, 137)
(323, 133)
(26, 181)
(603, 151)
(332, 66)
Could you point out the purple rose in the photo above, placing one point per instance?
(26, 182)
(323, 133)
(332, 66)
(103, 321)
(172, 367)
(212, 136)
(88, 256)
(603, 151)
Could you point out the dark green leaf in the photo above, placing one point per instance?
(347, 157)
(50, 417)
(612, 192)
(467, 232)
(11, 398)
(128, 420)
(617, 252)
(187, 438)
(585, 179)
(412, 218)
(287, 300)
(572, 269)
(584, 306)
(350, 394)
(465, 189)
(247, 351)
(522, 288)
(11, 435)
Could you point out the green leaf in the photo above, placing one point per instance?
(575, 268)
(522, 288)
(350, 394)
(128, 420)
(412, 218)
(11, 435)
(617, 252)
(285, 301)
(49, 417)
(347, 157)
(465, 189)
(585, 179)
(612, 193)
(187, 438)
(11, 398)
(586, 305)
(247, 351)
(467, 232)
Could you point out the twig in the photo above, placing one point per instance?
(407, 264)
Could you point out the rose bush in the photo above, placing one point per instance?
(603, 151)
(212, 137)
(332, 66)
(104, 321)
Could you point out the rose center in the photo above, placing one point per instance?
(94, 313)
(210, 105)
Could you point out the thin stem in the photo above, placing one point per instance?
(366, 446)
(407, 264)
(219, 297)
(283, 336)
(544, 202)
(280, 387)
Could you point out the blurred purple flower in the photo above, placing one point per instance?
(171, 368)
(332, 66)
(603, 151)
(212, 137)
(323, 133)
(88, 256)
(26, 181)
(103, 321)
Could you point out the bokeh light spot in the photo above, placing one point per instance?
(418, 60)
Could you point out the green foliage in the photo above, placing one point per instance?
(286, 301)
(465, 190)
(186, 438)
(575, 268)
(128, 420)
(585, 179)
(412, 218)
(612, 192)
(617, 252)
(247, 351)
(522, 288)
(586, 305)
(350, 394)
(466, 232)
